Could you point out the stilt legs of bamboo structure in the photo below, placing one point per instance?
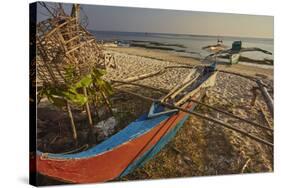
(88, 108)
(91, 136)
(74, 132)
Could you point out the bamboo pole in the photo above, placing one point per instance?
(185, 83)
(107, 102)
(135, 78)
(232, 115)
(88, 111)
(267, 97)
(74, 133)
(140, 85)
(226, 125)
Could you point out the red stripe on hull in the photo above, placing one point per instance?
(108, 165)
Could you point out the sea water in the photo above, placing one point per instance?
(186, 45)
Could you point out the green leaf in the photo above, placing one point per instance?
(86, 81)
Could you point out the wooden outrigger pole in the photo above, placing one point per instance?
(214, 120)
(266, 96)
(232, 115)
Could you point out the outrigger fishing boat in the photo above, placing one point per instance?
(138, 142)
(233, 54)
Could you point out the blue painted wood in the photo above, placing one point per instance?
(154, 110)
(156, 148)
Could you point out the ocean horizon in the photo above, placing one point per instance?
(186, 44)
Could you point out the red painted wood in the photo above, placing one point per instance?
(109, 165)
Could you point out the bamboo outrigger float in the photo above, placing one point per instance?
(137, 143)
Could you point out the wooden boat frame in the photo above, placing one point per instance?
(130, 148)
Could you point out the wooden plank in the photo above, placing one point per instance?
(207, 83)
(179, 85)
(184, 87)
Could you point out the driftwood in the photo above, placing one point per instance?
(267, 98)
(214, 120)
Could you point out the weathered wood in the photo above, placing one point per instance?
(79, 46)
(108, 105)
(267, 98)
(207, 83)
(184, 86)
(180, 66)
(232, 115)
(253, 78)
(179, 85)
(226, 125)
(140, 77)
(255, 96)
(140, 85)
(74, 133)
(214, 120)
(264, 115)
(88, 111)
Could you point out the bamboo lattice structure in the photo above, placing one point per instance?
(63, 43)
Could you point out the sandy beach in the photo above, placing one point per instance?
(113, 99)
(201, 147)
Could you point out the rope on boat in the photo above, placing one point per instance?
(226, 125)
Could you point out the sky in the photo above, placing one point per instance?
(110, 18)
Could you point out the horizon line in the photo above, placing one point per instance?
(271, 38)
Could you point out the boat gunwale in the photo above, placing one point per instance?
(91, 151)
